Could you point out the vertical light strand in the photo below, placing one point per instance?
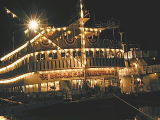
(81, 11)
(82, 38)
(82, 35)
(122, 44)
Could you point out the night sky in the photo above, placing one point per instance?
(139, 18)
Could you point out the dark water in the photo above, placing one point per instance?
(112, 110)
(152, 111)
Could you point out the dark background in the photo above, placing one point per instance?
(139, 18)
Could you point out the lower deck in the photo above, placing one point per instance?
(72, 86)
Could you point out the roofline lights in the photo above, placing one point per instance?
(22, 47)
(5, 81)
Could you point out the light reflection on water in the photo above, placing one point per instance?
(3, 118)
(153, 111)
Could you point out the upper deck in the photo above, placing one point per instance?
(60, 48)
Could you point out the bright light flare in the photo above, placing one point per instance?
(33, 25)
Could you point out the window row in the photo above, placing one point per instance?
(97, 54)
(73, 63)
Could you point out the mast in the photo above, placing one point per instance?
(83, 54)
(121, 34)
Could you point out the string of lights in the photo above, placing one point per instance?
(10, 12)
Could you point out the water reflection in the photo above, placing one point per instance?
(3, 118)
(110, 113)
(153, 111)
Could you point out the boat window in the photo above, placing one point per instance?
(101, 53)
(50, 55)
(42, 56)
(74, 53)
(63, 54)
(53, 56)
(79, 53)
(97, 54)
(89, 53)
(31, 58)
(38, 56)
(68, 54)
